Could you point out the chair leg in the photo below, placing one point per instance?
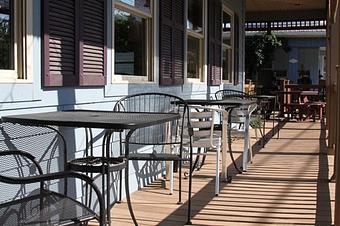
(108, 205)
(171, 171)
(190, 187)
(120, 186)
(246, 144)
(250, 150)
(180, 182)
(127, 191)
(217, 181)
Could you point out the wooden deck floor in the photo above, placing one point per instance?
(287, 184)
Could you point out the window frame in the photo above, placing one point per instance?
(149, 43)
(202, 41)
(22, 27)
(231, 47)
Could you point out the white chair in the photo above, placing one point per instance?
(239, 120)
(200, 126)
(239, 128)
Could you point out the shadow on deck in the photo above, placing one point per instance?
(287, 184)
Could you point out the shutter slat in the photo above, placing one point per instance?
(92, 5)
(65, 49)
(61, 39)
(61, 36)
(67, 24)
(55, 61)
(93, 57)
(93, 27)
(94, 65)
(57, 13)
(56, 72)
(65, 63)
(95, 41)
(93, 61)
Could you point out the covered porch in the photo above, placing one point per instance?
(292, 178)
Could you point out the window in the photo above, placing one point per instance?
(12, 40)
(195, 40)
(227, 46)
(132, 40)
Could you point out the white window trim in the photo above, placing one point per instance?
(23, 71)
(202, 39)
(149, 78)
(232, 46)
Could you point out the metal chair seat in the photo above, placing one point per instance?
(57, 209)
(29, 184)
(92, 164)
(157, 157)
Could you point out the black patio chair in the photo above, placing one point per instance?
(103, 164)
(164, 141)
(231, 94)
(33, 182)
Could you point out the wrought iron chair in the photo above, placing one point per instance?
(103, 164)
(239, 123)
(156, 143)
(34, 188)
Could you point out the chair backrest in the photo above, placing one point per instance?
(46, 144)
(154, 102)
(201, 121)
(231, 94)
(238, 115)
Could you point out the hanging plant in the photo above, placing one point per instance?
(260, 50)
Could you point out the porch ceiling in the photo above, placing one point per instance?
(271, 10)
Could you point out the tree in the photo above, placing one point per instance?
(260, 51)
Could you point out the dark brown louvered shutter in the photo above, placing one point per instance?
(74, 42)
(59, 43)
(214, 42)
(92, 43)
(172, 37)
(236, 49)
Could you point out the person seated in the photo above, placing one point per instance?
(305, 79)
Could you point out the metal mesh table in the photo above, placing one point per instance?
(93, 119)
(109, 120)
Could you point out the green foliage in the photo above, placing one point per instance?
(259, 50)
(256, 122)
